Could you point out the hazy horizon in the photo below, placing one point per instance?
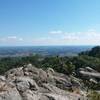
(48, 45)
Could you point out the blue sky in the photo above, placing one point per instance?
(49, 22)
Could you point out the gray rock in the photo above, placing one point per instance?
(2, 78)
(89, 74)
(31, 71)
(29, 95)
(62, 83)
(24, 83)
(13, 73)
(7, 92)
(42, 75)
(31, 83)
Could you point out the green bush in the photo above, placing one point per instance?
(93, 95)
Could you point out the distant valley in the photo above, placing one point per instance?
(42, 50)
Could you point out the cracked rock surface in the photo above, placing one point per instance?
(31, 83)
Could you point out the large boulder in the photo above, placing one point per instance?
(42, 76)
(13, 73)
(89, 73)
(31, 71)
(38, 75)
(8, 92)
(24, 83)
(29, 95)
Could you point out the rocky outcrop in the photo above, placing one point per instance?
(31, 83)
(89, 74)
(8, 91)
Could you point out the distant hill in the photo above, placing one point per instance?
(42, 50)
(94, 52)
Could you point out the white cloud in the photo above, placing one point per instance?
(56, 32)
(21, 39)
(11, 39)
(90, 37)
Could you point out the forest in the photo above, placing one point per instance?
(66, 65)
